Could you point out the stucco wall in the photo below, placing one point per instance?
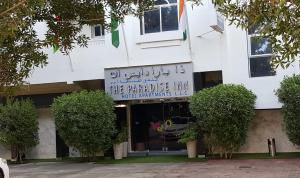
(267, 124)
(47, 135)
(4, 152)
(47, 144)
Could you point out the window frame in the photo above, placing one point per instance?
(102, 31)
(142, 19)
(255, 56)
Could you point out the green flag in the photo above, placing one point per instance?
(115, 38)
(184, 35)
(55, 48)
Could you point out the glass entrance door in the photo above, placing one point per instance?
(156, 127)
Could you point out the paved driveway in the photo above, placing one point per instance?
(210, 169)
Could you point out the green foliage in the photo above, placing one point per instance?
(189, 134)
(122, 136)
(85, 120)
(289, 95)
(224, 113)
(21, 48)
(278, 20)
(19, 125)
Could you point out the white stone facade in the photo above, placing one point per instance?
(207, 50)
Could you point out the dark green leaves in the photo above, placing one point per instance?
(85, 120)
(224, 113)
(19, 125)
(21, 49)
(289, 95)
(279, 21)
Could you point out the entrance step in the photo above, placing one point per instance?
(157, 153)
(160, 153)
(138, 153)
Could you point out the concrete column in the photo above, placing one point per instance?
(128, 112)
(47, 137)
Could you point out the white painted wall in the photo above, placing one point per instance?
(46, 149)
(213, 51)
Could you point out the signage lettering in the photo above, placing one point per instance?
(149, 82)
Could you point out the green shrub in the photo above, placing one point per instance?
(189, 134)
(224, 113)
(289, 95)
(19, 126)
(122, 136)
(85, 120)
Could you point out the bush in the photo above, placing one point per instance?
(189, 134)
(19, 126)
(289, 95)
(122, 136)
(224, 113)
(85, 120)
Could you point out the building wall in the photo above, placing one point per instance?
(208, 50)
(47, 139)
(236, 70)
(47, 134)
(267, 124)
(4, 152)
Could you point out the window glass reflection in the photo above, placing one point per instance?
(261, 66)
(152, 21)
(162, 2)
(260, 46)
(169, 17)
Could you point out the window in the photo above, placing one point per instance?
(98, 31)
(163, 17)
(260, 54)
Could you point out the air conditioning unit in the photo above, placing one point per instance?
(217, 22)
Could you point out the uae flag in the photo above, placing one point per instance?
(183, 18)
(115, 37)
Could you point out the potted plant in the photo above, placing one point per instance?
(118, 146)
(189, 137)
(124, 135)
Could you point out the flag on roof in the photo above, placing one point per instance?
(115, 37)
(183, 18)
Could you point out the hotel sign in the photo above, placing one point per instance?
(150, 82)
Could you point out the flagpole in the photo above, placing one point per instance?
(125, 43)
(70, 63)
(188, 33)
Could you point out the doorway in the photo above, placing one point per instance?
(62, 150)
(156, 127)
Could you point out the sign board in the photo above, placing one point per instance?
(150, 82)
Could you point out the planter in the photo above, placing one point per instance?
(125, 149)
(192, 148)
(118, 151)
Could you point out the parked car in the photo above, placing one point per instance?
(4, 170)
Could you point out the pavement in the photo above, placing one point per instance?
(278, 168)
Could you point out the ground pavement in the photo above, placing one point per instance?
(279, 168)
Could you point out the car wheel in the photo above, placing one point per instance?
(1, 173)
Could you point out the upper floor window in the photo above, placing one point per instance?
(163, 17)
(260, 54)
(97, 31)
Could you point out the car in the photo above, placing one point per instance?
(4, 170)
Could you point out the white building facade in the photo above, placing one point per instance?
(222, 55)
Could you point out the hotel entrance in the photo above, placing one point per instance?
(156, 98)
(156, 127)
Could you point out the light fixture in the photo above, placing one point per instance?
(120, 106)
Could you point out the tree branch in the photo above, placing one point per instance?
(12, 8)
